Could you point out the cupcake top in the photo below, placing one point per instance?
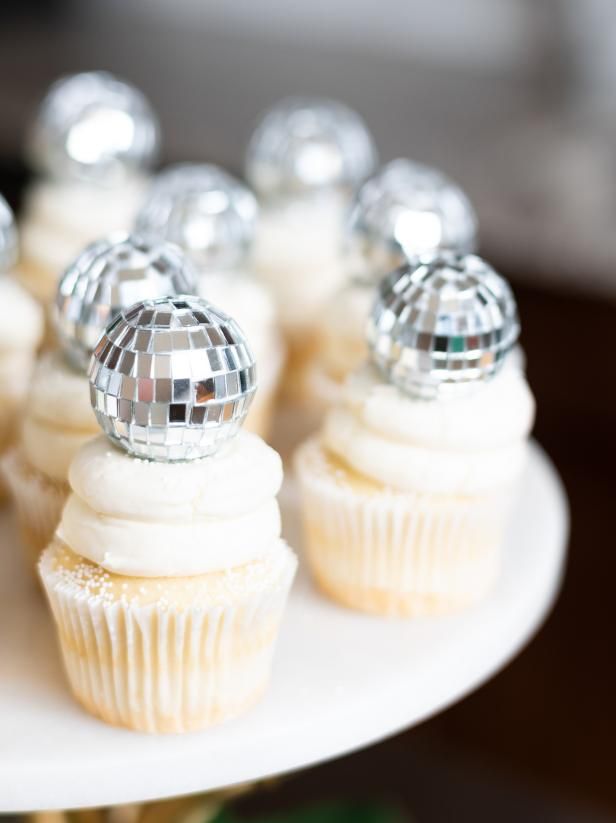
(95, 128)
(405, 210)
(440, 408)
(62, 217)
(160, 519)
(307, 145)
(465, 445)
(186, 493)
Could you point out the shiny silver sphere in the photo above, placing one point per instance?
(442, 325)
(172, 379)
(8, 237)
(303, 145)
(93, 127)
(205, 211)
(109, 276)
(404, 210)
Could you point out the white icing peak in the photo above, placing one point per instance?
(462, 445)
(148, 519)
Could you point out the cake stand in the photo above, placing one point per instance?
(341, 680)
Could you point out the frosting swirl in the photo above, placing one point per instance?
(464, 445)
(59, 417)
(297, 253)
(252, 306)
(21, 318)
(147, 519)
(61, 218)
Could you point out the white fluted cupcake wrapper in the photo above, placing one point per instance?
(38, 501)
(159, 669)
(399, 554)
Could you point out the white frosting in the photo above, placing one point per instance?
(465, 445)
(62, 218)
(252, 306)
(298, 253)
(147, 519)
(342, 328)
(59, 417)
(21, 318)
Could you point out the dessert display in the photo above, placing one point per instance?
(304, 161)
(404, 210)
(92, 143)
(212, 217)
(406, 490)
(146, 497)
(108, 276)
(167, 575)
(21, 331)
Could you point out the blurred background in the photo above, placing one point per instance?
(514, 99)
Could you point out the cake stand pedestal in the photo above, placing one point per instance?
(341, 680)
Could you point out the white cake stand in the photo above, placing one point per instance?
(341, 680)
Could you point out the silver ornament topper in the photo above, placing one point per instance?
(205, 211)
(93, 127)
(442, 325)
(172, 379)
(404, 210)
(304, 145)
(108, 276)
(8, 237)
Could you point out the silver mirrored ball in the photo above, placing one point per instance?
(404, 210)
(95, 128)
(172, 379)
(442, 325)
(205, 211)
(8, 237)
(304, 145)
(108, 276)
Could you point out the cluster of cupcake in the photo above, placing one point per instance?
(349, 292)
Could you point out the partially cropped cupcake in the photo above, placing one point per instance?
(212, 216)
(405, 210)
(305, 160)
(21, 331)
(408, 487)
(108, 276)
(92, 143)
(167, 576)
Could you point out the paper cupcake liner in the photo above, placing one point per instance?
(38, 501)
(160, 668)
(392, 553)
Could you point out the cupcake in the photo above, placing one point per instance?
(305, 159)
(406, 490)
(404, 210)
(167, 576)
(108, 276)
(21, 331)
(93, 140)
(211, 216)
